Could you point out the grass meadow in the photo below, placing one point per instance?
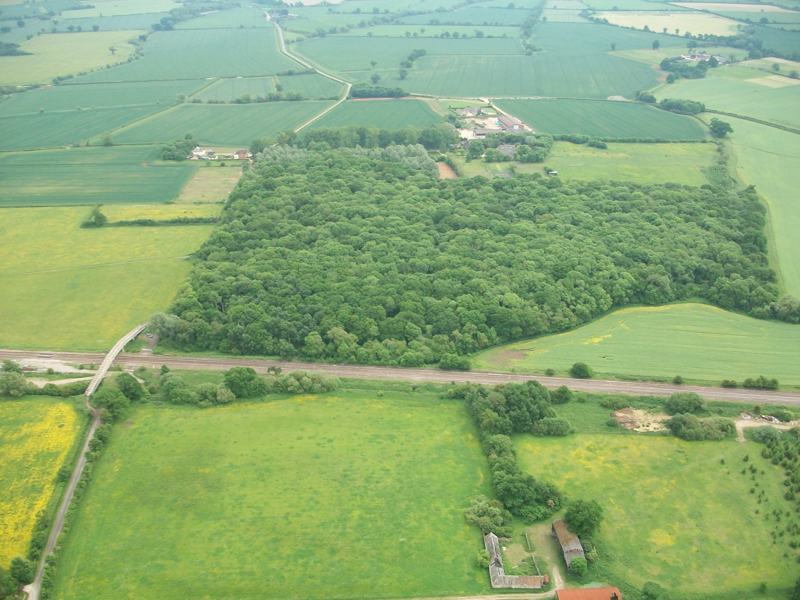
(210, 184)
(699, 342)
(53, 55)
(769, 158)
(675, 512)
(337, 496)
(382, 114)
(36, 437)
(96, 175)
(643, 163)
(696, 23)
(110, 8)
(607, 120)
(68, 288)
(229, 124)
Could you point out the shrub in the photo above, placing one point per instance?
(561, 396)
(489, 516)
(13, 385)
(111, 401)
(760, 383)
(580, 371)
(677, 380)
(454, 362)
(584, 517)
(684, 402)
(552, 426)
(22, 570)
(729, 383)
(130, 387)
(653, 591)
(244, 382)
(689, 427)
(781, 414)
(579, 566)
(10, 366)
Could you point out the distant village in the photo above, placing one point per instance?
(200, 153)
(482, 121)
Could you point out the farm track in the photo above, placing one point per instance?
(33, 589)
(597, 386)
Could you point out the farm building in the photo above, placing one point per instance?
(200, 153)
(603, 593)
(508, 123)
(470, 112)
(497, 573)
(569, 542)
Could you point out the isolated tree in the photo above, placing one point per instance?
(13, 385)
(96, 218)
(373, 63)
(561, 396)
(580, 371)
(10, 366)
(403, 73)
(244, 382)
(584, 517)
(130, 387)
(656, 44)
(719, 129)
(375, 78)
(684, 402)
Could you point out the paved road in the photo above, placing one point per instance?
(33, 589)
(636, 388)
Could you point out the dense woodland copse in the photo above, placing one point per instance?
(364, 256)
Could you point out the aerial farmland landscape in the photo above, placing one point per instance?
(399, 299)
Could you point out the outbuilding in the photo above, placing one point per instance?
(570, 544)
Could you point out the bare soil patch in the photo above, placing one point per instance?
(446, 171)
(642, 421)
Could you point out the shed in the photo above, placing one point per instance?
(570, 543)
(601, 593)
(509, 123)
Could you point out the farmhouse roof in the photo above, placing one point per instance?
(509, 122)
(470, 111)
(569, 542)
(603, 593)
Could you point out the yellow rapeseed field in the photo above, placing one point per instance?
(36, 435)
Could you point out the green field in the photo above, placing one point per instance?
(90, 176)
(699, 342)
(743, 91)
(311, 86)
(769, 158)
(201, 53)
(36, 436)
(426, 31)
(643, 163)
(607, 120)
(53, 55)
(471, 15)
(382, 114)
(81, 289)
(674, 512)
(230, 124)
(339, 496)
(679, 22)
(249, 16)
(109, 8)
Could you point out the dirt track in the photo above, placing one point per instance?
(637, 388)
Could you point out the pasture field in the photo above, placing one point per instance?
(675, 22)
(675, 512)
(201, 53)
(336, 496)
(36, 436)
(769, 158)
(778, 40)
(56, 54)
(381, 114)
(248, 16)
(228, 90)
(90, 176)
(89, 286)
(427, 31)
(643, 163)
(111, 8)
(210, 184)
(229, 124)
(68, 128)
(743, 91)
(699, 342)
(68, 97)
(311, 86)
(607, 120)
(471, 15)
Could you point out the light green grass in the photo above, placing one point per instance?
(310, 86)
(233, 124)
(239, 17)
(642, 163)
(426, 31)
(90, 176)
(769, 158)
(674, 513)
(67, 288)
(679, 22)
(743, 91)
(696, 341)
(471, 15)
(110, 8)
(382, 114)
(608, 120)
(36, 436)
(53, 55)
(341, 496)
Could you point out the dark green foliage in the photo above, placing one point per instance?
(783, 450)
(646, 97)
(677, 380)
(584, 517)
(689, 427)
(679, 68)
(96, 218)
(22, 570)
(653, 591)
(580, 371)
(683, 107)
(561, 396)
(13, 385)
(7, 584)
(454, 362)
(579, 566)
(179, 149)
(489, 516)
(795, 595)
(10, 366)
(130, 387)
(760, 383)
(435, 137)
(684, 402)
(300, 382)
(175, 390)
(780, 413)
(552, 426)
(363, 90)
(111, 401)
(729, 383)
(510, 408)
(720, 129)
(389, 265)
(11, 49)
(244, 382)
